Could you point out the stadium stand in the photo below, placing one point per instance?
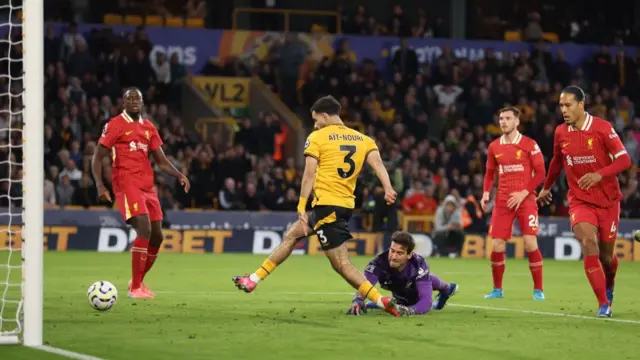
(433, 122)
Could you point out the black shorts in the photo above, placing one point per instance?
(331, 225)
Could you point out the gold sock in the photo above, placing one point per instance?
(267, 268)
(367, 290)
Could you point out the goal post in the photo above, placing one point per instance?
(33, 178)
(21, 222)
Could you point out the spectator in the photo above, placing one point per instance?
(447, 233)
(65, 191)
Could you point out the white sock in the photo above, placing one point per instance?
(380, 303)
(255, 278)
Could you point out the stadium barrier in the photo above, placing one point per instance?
(261, 232)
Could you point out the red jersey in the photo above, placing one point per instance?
(130, 142)
(589, 150)
(520, 165)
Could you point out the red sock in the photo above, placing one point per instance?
(152, 255)
(138, 261)
(535, 265)
(595, 274)
(610, 272)
(497, 268)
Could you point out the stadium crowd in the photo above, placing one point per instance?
(432, 122)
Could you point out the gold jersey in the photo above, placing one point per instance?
(341, 153)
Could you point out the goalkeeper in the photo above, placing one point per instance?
(407, 276)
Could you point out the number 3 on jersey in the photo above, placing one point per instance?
(348, 159)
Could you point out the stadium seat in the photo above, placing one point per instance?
(112, 19)
(133, 20)
(154, 20)
(195, 22)
(512, 35)
(174, 22)
(551, 37)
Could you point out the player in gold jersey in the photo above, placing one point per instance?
(335, 155)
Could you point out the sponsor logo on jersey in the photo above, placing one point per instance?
(498, 155)
(128, 132)
(503, 169)
(580, 160)
(133, 146)
(565, 145)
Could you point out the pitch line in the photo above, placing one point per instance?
(65, 353)
(477, 307)
(533, 312)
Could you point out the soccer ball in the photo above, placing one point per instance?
(102, 295)
(636, 235)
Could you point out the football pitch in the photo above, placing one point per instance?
(299, 313)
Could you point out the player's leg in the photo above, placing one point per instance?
(500, 231)
(608, 220)
(339, 258)
(142, 225)
(295, 233)
(583, 219)
(131, 204)
(528, 222)
(155, 240)
(445, 291)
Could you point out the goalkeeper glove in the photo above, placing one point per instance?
(357, 307)
(406, 310)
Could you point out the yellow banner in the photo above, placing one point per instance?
(224, 92)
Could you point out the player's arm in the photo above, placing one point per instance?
(96, 170)
(166, 166)
(555, 166)
(155, 145)
(621, 159)
(110, 134)
(537, 164)
(308, 179)
(375, 161)
(489, 177)
(312, 158)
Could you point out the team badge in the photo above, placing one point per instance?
(590, 143)
(518, 154)
(146, 133)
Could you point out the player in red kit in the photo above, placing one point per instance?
(592, 155)
(129, 138)
(520, 166)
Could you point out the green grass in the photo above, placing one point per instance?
(299, 313)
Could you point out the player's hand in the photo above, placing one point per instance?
(544, 197)
(358, 307)
(390, 196)
(184, 181)
(516, 198)
(406, 310)
(304, 219)
(589, 180)
(484, 203)
(103, 194)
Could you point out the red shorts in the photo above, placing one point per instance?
(503, 217)
(133, 202)
(605, 219)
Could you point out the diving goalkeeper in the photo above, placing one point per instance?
(407, 276)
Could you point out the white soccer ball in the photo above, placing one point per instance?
(102, 295)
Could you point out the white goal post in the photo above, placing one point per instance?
(28, 317)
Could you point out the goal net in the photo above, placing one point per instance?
(21, 171)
